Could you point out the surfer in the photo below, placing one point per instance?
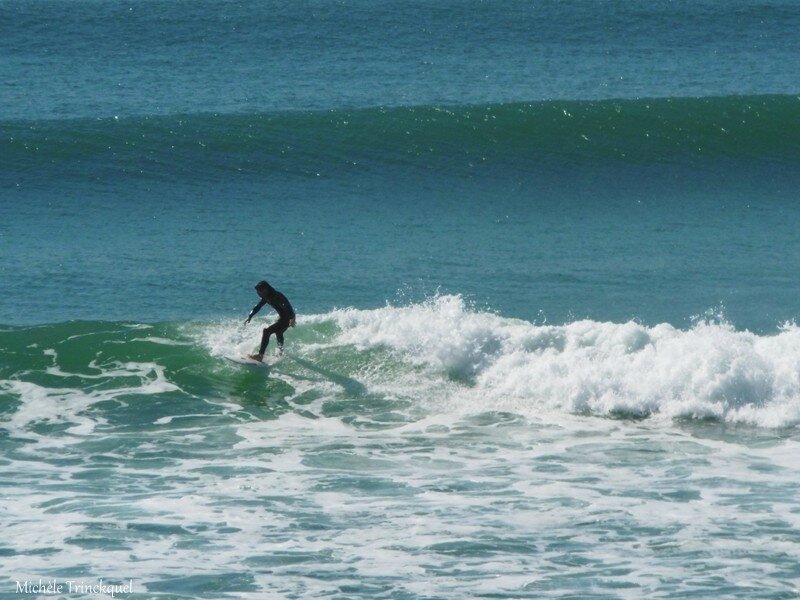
(279, 302)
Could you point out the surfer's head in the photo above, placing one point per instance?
(263, 288)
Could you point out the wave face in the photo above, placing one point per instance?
(438, 355)
(543, 135)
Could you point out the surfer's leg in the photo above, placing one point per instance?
(277, 328)
(279, 337)
(280, 328)
(268, 331)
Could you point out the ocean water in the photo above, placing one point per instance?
(544, 257)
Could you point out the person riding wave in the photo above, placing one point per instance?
(286, 316)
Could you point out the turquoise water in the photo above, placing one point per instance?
(544, 258)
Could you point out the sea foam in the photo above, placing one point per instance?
(710, 370)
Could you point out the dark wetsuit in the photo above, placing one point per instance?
(285, 313)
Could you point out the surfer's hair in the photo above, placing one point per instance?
(263, 285)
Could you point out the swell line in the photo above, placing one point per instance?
(523, 135)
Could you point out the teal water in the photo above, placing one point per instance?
(689, 202)
(544, 259)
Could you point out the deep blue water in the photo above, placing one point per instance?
(103, 58)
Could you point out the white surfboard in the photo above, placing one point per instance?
(249, 362)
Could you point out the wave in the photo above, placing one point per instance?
(710, 371)
(439, 355)
(552, 134)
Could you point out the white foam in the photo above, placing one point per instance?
(67, 405)
(440, 333)
(709, 370)
(161, 341)
(227, 339)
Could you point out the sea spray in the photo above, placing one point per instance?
(710, 370)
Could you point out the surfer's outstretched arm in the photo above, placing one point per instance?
(253, 312)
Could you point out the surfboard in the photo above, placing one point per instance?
(249, 362)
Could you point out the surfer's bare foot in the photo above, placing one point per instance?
(258, 357)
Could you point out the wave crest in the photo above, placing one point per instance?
(708, 371)
(539, 135)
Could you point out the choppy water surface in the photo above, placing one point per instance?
(439, 468)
